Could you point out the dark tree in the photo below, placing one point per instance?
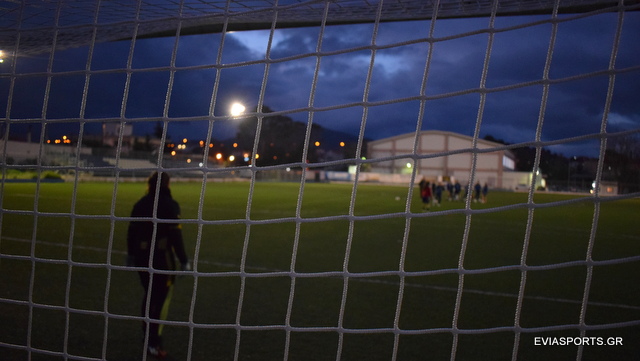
(158, 129)
(622, 162)
(281, 139)
(560, 172)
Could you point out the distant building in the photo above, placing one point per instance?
(111, 134)
(606, 188)
(445, 156)
(51, 153)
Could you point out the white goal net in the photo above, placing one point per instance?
(297, 134)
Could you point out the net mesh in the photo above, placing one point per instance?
(42, 29)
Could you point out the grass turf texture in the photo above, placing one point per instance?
(74, 296)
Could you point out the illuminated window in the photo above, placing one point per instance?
(508, 163)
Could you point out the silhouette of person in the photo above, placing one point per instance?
(156, 253)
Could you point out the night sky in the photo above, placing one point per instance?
(575, 106)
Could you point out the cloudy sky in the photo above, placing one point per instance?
(391, 78)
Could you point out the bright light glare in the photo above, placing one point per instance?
(237, 109)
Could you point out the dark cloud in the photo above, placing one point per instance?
(625, 94)
(108, 56)
(289, 84)
(343, 37)
(398, 53)
(198, 50)
(104, 98)
(295, 43)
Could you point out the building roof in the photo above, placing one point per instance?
(490, 144)
(436, 132)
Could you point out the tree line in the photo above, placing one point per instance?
(621, 165)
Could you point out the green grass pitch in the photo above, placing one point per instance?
(68, 293)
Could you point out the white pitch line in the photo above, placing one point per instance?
(360, 279)
(504, 294)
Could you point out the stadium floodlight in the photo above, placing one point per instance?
(237, 109)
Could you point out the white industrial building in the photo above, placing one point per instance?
(448, 156)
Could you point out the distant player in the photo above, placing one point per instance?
(485, 191)
(438, 197)
(477, 189)
(425, 194)
(457, 188)
(167, 246)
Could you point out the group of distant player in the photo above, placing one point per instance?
(431, 192)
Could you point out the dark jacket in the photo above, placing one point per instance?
(168, 243)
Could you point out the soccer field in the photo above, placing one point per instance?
(323, 276)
